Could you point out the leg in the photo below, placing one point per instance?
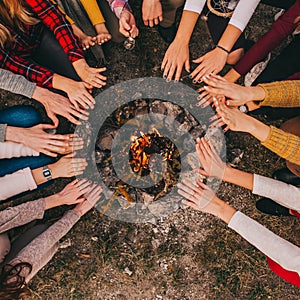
(284, 65)
(111, 22)
(22, 241)
(4, 246)
(169, 11)
(20, 116)
(51, 55)
(292, 126)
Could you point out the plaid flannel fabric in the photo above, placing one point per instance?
(16, 57)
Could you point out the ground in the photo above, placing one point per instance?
(188, 255)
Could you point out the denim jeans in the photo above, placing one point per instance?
(22, 116)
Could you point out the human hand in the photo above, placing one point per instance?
(211, 163)
(152, 12)
(68, 166)
(103, 35)
(88, 41)
(75, 143)
(201, 197)
(175, 58)
(198, 196)
(127, 24)
(232, 117)
(90, 76)
(211, 62)
(37, 139)
(56, 104)
(235, 94)
(92, 196)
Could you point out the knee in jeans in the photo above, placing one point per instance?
(176, 3)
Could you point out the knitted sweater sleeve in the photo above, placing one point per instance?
(16, 83)
(284, 144)
(43, 247)
(279, 250)
(22, 214)
(281, 94)
(92, 9)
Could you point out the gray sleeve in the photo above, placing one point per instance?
(2, 132)
(22, 214)
(279, 250)
(283, 193)
(16, 83)
(43, 247)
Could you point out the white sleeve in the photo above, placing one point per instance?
(194, 5)
(243, 13)
(16, 183)
(279, 250)
(11, 149)
(282, 193)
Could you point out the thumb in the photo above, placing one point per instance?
(47, 126)
(198, 60)
(53, 118)
(201, 172)
(187, 65)
(87, 86)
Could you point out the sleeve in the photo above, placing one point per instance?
(281, 28)
(38, 252)
(242, 13)
(16, 183)
(117, 6)
(11, 149)
(281, 251)
(55, 20)
(22, 214)
(93, 10)
(284, 144)
(281, 94)
(16, 84)
(277, 191)
(194, 5)
(2, 132)
(33, 72)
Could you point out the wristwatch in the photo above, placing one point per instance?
(47, 173)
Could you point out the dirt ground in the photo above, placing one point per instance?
(188, 255)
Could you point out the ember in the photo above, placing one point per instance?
(144, 147)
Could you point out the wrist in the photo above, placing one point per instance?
(223, 49)
(78, 211)
(257, 93)
(15, 134)
(52, 201)
(54, 171)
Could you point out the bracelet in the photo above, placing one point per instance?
(220, 47)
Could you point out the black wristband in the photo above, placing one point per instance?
(222, 48)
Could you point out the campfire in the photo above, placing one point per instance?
(144, 147)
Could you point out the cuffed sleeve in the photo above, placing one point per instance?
(281, 93)
(284, 144)
(281, 251)
(11, 149)
(92, 9)
(194, 6)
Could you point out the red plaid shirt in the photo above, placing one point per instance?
(16, 56)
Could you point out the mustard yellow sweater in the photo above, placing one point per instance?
(282, 94)
(93, 11)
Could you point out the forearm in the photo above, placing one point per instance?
(238, 177)
(186, 27)
(258, 129)
(232, 75)
(61, 82)
(229, 37)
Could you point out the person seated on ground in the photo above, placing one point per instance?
(285, 141)
(286, 64)
(226, 22)
(34, 249)
(38, 43)
(282, 256)
(28, 153)
(96, 22)
(53, 103)
(161, 13)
